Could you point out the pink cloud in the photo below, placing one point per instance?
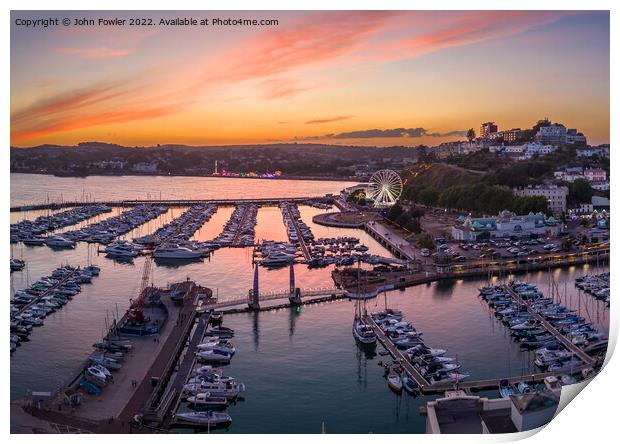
(280, 88)
(97, 53)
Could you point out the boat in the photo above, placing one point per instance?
(395, 382)
(205, 400)
(176, 253)
(207, 419)
(216, 356)
(59, 242)
(553, 385)
(505, 389)
(96, 376)
(33, 241)
(221, 332)
(409, 384)
(121, 250)
(363, 332)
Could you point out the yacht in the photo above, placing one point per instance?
(176, 253)
(214, 355)
(207, 419)
(33, 241)
(121, 250)
(363, 332)
(59, 242)
(205, 400)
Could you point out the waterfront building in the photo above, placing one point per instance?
(458, 412)
(555, 195)
(505, 225)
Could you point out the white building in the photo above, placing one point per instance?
(145, 167)
(552, 134)
(555, 195)
(595, 175)
(505, 225)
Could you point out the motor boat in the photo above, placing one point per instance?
(163, 252)
(409, 384)
(225, 347)
(59, 242)
(221, 332)
(395, 381)
(96, 376)
(205, 400)
(448, 378)
(505, 389)
(228, 390)
(33, 241)
(216, 356)
(121, 250)
(207, 419)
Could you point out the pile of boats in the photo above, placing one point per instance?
(275, 254)
(596, 285)
(208, 390)
(31, 230)
(172, 241)
(107, 358)
(551, 354)
(292, 220)
(29, 307)
(344, 250)
(17, 265)
(431, 363)
(109, 229)
(239, 229)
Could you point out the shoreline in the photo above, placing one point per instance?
(129, 174)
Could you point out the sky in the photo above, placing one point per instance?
(358, 78)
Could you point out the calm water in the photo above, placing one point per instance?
(33, 188)
(301, 369)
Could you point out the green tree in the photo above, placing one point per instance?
(428, 196)
(580, 191)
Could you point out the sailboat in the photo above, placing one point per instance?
(363, 332)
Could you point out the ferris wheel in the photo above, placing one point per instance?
(386, 187)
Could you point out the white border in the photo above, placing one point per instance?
(591, 418)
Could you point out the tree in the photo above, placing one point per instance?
(428, 196)
(580, 191)
(471, 134)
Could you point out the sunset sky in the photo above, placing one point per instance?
(412, 77)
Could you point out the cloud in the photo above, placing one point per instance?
(97, 53)
(328, 120)
(385, 134)
(280, 88)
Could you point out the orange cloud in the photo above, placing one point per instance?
(328, 120)
(279, 88)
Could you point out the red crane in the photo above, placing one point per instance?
(136, 309)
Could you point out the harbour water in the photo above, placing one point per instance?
(302, 368)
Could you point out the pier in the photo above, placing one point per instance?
(46, 292)
(169, 202)
(483, 384)
(587, 359)
(302, 241)
(397, 245)
(281, 294)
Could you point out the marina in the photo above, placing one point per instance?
(292, 299)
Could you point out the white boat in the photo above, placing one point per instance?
(217, 356)
(96, 376)
(205, 400)
(59, 242)
(363, 332)
(176, 253)
(121, 250)
(395, 382)
(553, 385)
(207, 419)
(228, 390)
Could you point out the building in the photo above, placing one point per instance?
(507, 136)
(600, 151)
(528, 150)
(487, 129)
(505, 225)
(459, 412)
(555, 195)
(145, 167)
(595, 175)
(575, 138)
(553, 134)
